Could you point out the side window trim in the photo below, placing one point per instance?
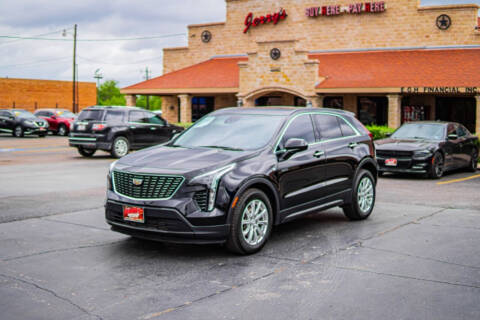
(357, 133)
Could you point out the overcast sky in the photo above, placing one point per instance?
(124, 61)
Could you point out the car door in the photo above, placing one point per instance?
(6, 121)
(453, 150)
(139, 128)
(339, 140)
(465, 146)
(299, 176)
(158, 129)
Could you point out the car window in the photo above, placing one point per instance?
(4, 114)
(451, 129)
(327, 126)
(137, 116)
(347, 131)
(89, 115)
(155, 119)
(461, 131)
(114, 116)
(300, 128)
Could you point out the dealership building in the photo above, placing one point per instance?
(388, 61)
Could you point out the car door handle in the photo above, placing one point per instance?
(318, 154)
(153, 128)
(353, 145)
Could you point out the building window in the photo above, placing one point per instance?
(461, 110)
(373, 110)
(268, 101)
(300, 102)
(202, 106)
(333, 102)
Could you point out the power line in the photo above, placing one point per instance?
(38, 35)
(120, 64)
(95, 40)
(34, 62)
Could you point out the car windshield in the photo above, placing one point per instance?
(23, 114)
(428, 131)
(236, 132)
(65, 114)
(91, 115)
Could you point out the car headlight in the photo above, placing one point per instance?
(211, 180)
(422, 154)
(112, 166)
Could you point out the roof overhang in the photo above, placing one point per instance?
(180, 91)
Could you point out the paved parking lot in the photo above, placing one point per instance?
(417, 257)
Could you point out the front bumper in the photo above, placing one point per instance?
(175, 221)
(89, 141)
(35, 130)
(406, 165)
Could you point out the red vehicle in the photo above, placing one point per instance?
(59, 120)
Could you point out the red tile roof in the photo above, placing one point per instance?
(413, 68)
(213, 73)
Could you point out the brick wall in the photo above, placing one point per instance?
(28, 93)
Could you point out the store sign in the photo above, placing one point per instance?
(355, 8)
(449, 90)
(251, 21)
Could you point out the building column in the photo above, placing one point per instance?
(185, 108)
(477, 123)
(316, 101)
(131, 100)
(394, 110)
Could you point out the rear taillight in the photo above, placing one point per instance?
(99, 127)
(366, 130)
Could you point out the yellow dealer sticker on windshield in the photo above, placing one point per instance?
(17, 113)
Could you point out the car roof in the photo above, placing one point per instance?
(52, 109)
(113, 108)
(279, 111)
(431, 122)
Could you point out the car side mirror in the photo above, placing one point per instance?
(296, 145)
(452, 136)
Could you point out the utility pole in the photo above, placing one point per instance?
(99, 77)
(147, 77)
(75, 70)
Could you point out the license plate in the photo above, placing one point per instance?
(42, 129)
(133, 214)
(391, 162)
(81, 127)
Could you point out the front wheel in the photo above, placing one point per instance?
(120, 147)
(62, 130)
(87, 153)
(473, 161)
(363, 199)
(18, 132)
(438, 164)
(252, 222)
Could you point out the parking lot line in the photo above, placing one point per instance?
(459, 180)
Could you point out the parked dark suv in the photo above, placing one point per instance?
(20, 122)
(119, 130)
(237, 172)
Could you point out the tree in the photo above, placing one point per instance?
(109, 94)
(155, 102)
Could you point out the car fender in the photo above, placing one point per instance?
(368, 162)
(266, 183)
(119, 131)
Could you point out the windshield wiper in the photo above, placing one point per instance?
(222, 148)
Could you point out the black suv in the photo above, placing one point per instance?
(20, 122)
(237, 172)
(119, 130)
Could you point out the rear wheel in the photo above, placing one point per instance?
(120, 147)
(42, 135)
(88, 153)
(438, 165)
(62, 130)
(473, 161)
(18, 132)
(252, 222)
(363, 199)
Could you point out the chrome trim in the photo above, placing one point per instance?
(322, 184)
(6, 130)
(328, 204)
(82, 139)
(146, 174)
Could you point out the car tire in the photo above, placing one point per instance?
(473, 161)
(120, 147)
(249, 236)
(41, 135)
(62, 130)
(381, 173)
(87, 153)
(18, 132)
(438, 166)
(363, 197)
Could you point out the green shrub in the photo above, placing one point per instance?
(379, 132)
(186, 125)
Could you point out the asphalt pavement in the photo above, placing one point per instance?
(417, 257)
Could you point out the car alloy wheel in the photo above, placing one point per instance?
(62, 130)
(437, 166)
(18, 131)
(120, 147)
(254, 222)
(473, 161)
(365, 194)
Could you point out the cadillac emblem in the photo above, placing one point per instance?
(137, 182)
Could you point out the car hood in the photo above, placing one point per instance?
(36, 119)
(181, 161)
(404, 144)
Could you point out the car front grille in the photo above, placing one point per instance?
(201, 198)
(394, 153)
(145, 186)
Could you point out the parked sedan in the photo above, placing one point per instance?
(430, 148)
(20, 122)
(59, 120)
(238, 172)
